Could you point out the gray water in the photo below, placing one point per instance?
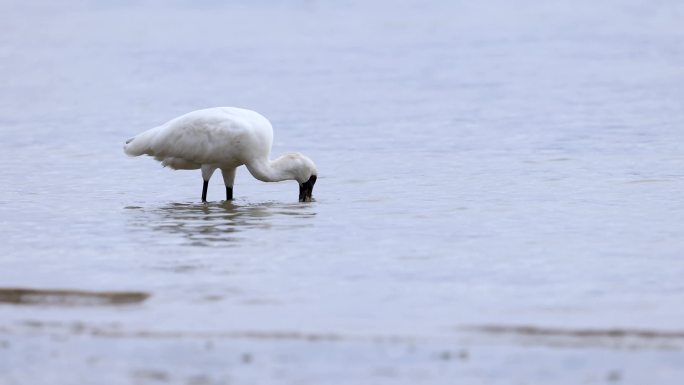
(499, 196)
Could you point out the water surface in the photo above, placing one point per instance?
(499, 193)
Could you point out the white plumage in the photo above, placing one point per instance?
(223, 138)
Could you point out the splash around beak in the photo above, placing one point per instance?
(306, 189)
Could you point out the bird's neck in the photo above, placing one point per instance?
(270, 170)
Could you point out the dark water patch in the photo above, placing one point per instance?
(620, 338)
(62, 297)
(113, 330)
(580, 333)
(644, 181)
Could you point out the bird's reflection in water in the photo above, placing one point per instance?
(220, 224)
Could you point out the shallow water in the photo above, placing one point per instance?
(498, 197)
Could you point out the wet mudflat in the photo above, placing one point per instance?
(61, 297)
(498, 194)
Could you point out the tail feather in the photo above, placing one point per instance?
(141, 144)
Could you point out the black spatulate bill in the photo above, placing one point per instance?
(306, 189)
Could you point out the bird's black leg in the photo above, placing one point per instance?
(205, 186)
(229, 193)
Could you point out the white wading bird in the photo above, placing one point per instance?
(225, 138)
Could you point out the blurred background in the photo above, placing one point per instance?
(498, 202)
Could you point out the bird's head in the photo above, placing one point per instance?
(293, 166)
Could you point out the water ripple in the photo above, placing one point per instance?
(219, 224)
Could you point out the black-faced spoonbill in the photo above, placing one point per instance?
(225, 138)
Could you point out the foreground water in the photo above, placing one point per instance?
(499, 198)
